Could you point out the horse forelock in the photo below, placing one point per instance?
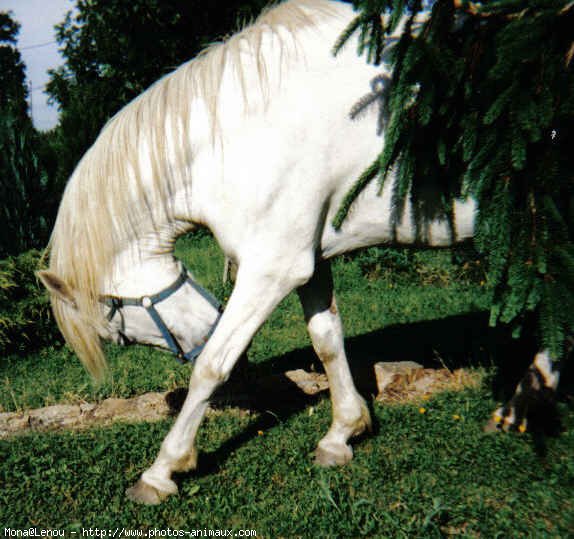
(107, 198)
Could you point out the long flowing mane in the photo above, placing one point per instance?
(106, 197)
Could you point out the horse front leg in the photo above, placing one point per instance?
(350, 413)
(257, 292)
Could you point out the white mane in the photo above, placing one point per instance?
(106, 199)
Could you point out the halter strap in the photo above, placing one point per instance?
(148, 303)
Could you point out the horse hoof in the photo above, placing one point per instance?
(333, 455)
(505, 420)
(145, 494)
(491, 426)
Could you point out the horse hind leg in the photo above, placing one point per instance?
(350, 413)
(536, 392)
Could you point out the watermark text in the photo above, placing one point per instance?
(126, 533)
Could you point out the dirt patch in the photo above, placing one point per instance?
(396, 382)
(407, 381)
(147, 407)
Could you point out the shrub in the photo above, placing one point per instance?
(437, 267)
(26, 321)
(376, 262)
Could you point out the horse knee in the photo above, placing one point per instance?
(211, 372)
(326, 336)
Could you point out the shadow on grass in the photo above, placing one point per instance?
(453, 342)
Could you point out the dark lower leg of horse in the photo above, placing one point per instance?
(533, 405)
(351, 416)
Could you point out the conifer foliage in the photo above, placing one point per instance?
(481, 104)
(24, 183)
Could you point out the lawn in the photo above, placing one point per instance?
(430, 474)
(421, 475)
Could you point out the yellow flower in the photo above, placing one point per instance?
(422, 410)
(456, 417)
(522, 428)
(259, 433)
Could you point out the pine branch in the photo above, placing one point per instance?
(355, 191)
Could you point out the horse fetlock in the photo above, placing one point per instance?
(354, 422)
(333, 454)
(365, 423)
(187, 462)
(144, 493)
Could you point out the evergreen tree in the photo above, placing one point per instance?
(23, 182)
(13, 91)
(481, 104)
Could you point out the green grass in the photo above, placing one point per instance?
(418, 475)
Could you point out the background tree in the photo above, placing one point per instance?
(13, 91)
(115, 49)
(24, 184)
(481, 103)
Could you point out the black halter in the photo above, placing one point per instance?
(148, 303)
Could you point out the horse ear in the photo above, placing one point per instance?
(57, 287)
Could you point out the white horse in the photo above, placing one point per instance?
(255, 140)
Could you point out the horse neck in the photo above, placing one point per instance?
(147, 263)
(142, 269)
